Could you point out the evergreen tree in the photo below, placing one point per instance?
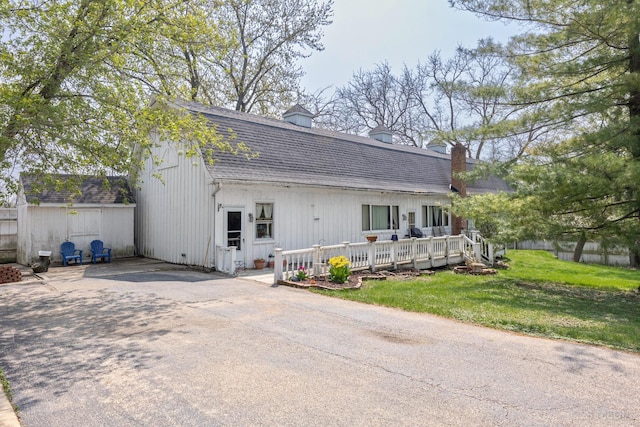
(579, 61)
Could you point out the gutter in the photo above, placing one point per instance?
(343, 187)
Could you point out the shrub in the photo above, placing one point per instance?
(339, 270)
(301, 274)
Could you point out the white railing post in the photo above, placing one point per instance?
(446, 248)
(277, 267)
(317, 268)
(372, 256)
(491, 257)
(347, 250)
(477, 250)
(394, 254)
(233, 253)
(414, 250)
(430, 250)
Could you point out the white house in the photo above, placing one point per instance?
(307, 186)
(103, 210)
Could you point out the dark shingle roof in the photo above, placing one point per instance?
(103, 191)
(292, 154)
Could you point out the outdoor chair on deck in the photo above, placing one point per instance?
(70, 253)
(99, 251)
(416, 232)
(438, 231)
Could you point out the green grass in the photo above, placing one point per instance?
(6, 387)
(539, 295)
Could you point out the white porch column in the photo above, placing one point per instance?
(317, 268)
(372, 256)
(277, 267)
(414, 251)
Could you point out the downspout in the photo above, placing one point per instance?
(216, 187)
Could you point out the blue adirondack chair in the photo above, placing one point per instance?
(70, 253)
(99, 251)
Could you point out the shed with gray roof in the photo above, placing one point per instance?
(56, 208)
(306, 186)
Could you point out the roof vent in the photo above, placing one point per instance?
(382, 134)
(298, 116)
(438, 147)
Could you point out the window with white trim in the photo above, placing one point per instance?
(412, 220)
(435, 216)
(264, 220)
(380, 217)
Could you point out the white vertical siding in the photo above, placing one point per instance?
(24, 244)
(306, 216)
(177, 214)
(117, 230)
(172, 219)
(45, 228)
(8, 234)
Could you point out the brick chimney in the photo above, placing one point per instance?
(458, 164)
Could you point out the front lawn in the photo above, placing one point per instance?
(539, 295)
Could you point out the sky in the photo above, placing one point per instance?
(368, 32)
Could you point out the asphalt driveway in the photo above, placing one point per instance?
(143, 345)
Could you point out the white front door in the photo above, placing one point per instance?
(234, 231)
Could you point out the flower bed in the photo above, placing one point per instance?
(354, 281)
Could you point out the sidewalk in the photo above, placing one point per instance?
(8, 418)
(264, 276)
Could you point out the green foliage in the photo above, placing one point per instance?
(6, 387)
(77, 78)
(579, 70)
(539, 295)
(340, 269)
(301, 274)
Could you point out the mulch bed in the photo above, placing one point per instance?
(355, 279)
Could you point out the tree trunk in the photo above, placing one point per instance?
(634, 255)
(634, 119)
(577, 252)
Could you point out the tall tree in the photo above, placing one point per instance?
(580, 65)
(464, 100)
(254, 66)
(75, 80)
(370, 99)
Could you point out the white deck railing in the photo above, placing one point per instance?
(419, 253)
(488, 252)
